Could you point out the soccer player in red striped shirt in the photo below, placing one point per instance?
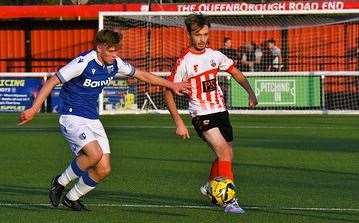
(200, 65)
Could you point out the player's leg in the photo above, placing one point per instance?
(103, 168)
(95, 173)
(87, 157)
(87, 183)
(220, 138)
(222, 165)
(84, 145)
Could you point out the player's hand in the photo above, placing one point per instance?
(252, 101)
(26, 116)
(182, 87)
(182, 131)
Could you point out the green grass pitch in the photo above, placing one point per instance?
(288, 169)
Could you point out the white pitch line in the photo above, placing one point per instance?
(318, 209)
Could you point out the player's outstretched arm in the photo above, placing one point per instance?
(46, 89)
(181, 129)
(242, 80)
(177, 88)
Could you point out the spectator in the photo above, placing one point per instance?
(271, 59)
(276, 56)
(265, 60)
(250, 56)
(229, 51)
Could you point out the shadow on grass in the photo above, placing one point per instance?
(243, 165)
(142, 198)
(36, 198)
(152, 212)
(318, 215)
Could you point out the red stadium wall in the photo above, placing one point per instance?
(315, 49)
(12, 50)
(322, 49)
(52, 48)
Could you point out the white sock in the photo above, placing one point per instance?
(67, 176)
(82, 187)
(71, 173)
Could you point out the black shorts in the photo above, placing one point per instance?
(220, 120)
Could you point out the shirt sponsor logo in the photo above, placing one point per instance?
(94, 84)
(209, 85)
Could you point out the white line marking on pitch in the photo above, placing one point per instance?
(319, 209)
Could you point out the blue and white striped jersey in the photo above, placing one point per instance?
(83, 80)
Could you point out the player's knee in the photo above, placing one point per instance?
(225, 153)
(95, 156)
(98, 155)
(104, 171)
(107, 171)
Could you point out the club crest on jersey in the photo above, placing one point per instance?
(110, 69)
(195, 68)
(82, 136)
(93, 71)
(213, 63)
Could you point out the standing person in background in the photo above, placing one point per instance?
(249, 57)
(276, 56)
(210, 118)
(230, 52)
(83, 80)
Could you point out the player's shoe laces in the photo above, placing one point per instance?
(205, 189)
(55, 192)
(74, 205)
(233, 207)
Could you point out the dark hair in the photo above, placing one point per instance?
(271, 41)
(226, 39)
(195, 22)
(108, 37)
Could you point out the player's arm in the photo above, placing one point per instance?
(227, 64)
(155, 80)
(242, 80)
(181, 129)
(46, 89)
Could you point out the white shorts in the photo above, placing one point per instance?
(79, 131)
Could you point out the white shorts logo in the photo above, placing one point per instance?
(79, 131)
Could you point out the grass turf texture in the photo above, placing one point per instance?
(281, 162)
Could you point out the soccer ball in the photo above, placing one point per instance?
(222, 191)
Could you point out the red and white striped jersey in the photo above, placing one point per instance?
(205, 96)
